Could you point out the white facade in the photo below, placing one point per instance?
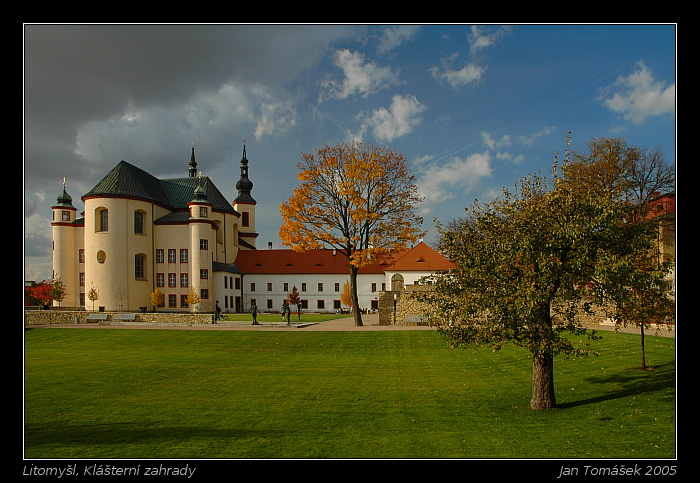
(318, 292)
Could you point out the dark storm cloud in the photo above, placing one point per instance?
(76, 74)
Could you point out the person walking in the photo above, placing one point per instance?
(287, 312)
(254, 312)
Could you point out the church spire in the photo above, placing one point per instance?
(193, 164)
(64, 199)
(244, 184)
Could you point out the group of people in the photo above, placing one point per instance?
(286, 312)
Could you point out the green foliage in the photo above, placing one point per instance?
(532, 261)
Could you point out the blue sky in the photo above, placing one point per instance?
(472, 107)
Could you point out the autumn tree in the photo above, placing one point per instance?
(294, 299)
(356, 198)
(58, 290)
(346, 295)
(93, 295)
(38, 293)
(636, 176)
(157, 298)
(192, 298)
(530, 263)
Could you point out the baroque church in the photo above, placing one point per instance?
(181, 236)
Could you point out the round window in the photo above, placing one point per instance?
(101, 257)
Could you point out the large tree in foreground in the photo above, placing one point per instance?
(356, 198)
(531, 262)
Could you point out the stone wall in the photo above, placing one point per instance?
(409, 311)
(53, 317)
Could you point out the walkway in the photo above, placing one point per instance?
(370, 321)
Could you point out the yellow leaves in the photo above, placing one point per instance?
(354, 196)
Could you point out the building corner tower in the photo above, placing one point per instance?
(65, 249)
(245, 205)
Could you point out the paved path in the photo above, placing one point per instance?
(370, 321)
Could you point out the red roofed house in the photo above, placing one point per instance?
(320, 275)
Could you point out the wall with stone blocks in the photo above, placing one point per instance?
(52, 317)
(410, 311)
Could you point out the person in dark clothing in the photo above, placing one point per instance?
(254, 312)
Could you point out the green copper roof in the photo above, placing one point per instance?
(127, 180)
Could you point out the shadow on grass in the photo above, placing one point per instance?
(633, 381)
(41, 435)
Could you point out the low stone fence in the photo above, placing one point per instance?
(403, 307)
(53, 317)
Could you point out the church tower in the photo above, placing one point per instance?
(245, 205)
(66, 244)
(193, 164)
(202, 244)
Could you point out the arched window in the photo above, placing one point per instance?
(140, 266)
(101, 219)
(396, 282)
(139, 217)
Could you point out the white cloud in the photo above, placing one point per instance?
(37, 235)
(398, 120)
(492, 143)
(440, 182)
(479, 40)
(471, 72)
(210, 118)
(639, 96)
(359, 77)
(468, 74)
(394, 36)
(529, 140)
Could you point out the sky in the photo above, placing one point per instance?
(473, 108)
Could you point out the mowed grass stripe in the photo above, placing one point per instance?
(395, 394)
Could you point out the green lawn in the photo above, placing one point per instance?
(294, 318)
(111, 393)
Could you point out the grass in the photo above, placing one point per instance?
(306, 318)
(111, 393)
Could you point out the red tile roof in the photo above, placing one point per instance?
(291, 262)
(419, 258)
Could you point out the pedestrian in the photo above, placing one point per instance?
(287, 312)
(254, 312)
(218, 311)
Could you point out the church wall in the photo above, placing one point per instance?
(110, 255)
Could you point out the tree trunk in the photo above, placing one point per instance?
(355, 299)
(644, 363)
(543, 382)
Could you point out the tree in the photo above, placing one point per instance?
(637, 176)
(529, 263)
(157, 298)
(192, 298)
(38, 293)
(294, 299)
(93, 295)
(356, 198)
(58, 290)
(346, 296)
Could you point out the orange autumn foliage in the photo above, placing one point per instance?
(354, 197)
